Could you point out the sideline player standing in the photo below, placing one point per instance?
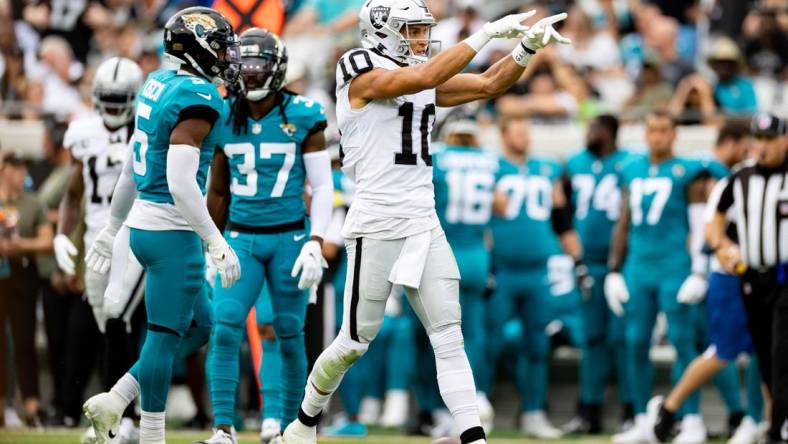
(272, 142)
(159, 196)
(99, 144)
(386, 97)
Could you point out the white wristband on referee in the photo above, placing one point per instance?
(477, 40)
(522, 54)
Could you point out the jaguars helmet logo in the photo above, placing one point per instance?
(288, 128)
(379, 15)
(199, 23)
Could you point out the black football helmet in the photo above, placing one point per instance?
(203, 39)
(263, 64)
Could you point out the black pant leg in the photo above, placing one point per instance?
(57, 307)
(779, 381)
(84, 344)
(759, 319)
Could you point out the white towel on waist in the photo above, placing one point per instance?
(409, 266)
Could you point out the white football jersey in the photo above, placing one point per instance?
(385, 151)
(102, 153)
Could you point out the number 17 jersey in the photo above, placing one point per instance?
(385, 150)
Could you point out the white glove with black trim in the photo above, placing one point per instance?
(310, 263)
(616, 293)
(65, 251)
(226, 261)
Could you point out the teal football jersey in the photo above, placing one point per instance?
(164, 96)
(595, 199)
(267, 172)
(464, 180)
(524, 234)
(659, 225)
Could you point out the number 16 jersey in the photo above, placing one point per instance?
(385, 148)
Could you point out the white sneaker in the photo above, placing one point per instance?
(395, 409)
(486, 412)
(12, 419)
(693, 430)
(640, 433)
(369, 411)
(104, 412)
(536, 425)
(748, 432)
(219, 437)
(298, 433)
(269, 430)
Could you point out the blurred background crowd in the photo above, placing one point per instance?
(707, 61)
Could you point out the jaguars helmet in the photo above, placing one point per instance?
(203, 39)
(115, 87)
(384, 25)
(263, 64)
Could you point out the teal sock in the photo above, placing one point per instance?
(223, 377)
(594, 369)
(293, 377)
(271, 380)
(154, 369)
(754, 393)
(727, 382)
(532, 372)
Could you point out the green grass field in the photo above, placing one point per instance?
(174, 437)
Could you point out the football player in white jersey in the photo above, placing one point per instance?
(387, 92)
(99, 143)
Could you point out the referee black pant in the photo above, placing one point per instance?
(766, 303)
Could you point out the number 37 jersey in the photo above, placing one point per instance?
(386, 144)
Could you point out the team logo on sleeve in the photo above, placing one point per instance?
(379, 15)
(288, 128)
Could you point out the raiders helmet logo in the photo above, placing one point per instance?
(378, 16)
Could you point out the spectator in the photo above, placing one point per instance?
(24, 232)
(545, 102)
(13, 82)
(456, 28)
(662, 40)
(60, 96)
(734, 93)
(321, 17)
(591, 49)
(651, 90)
(693, 102)
(766, 44)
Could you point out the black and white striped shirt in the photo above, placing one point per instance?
(759, 197)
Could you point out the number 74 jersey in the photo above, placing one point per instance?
(386, 144)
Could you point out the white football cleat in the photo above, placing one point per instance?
(693, 430)
(298, 433)
(640, 433)
(219, 437)
(270, 429)
(748, 432)
(536, 425)
(486, 412)
(104, 411)
(395, 409)
(369, 411)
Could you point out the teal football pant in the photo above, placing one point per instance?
(177, 304)
(265, 259)
(271, 365)
(652, 289)
(604, 351)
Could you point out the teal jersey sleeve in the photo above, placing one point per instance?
(167, 98)
(266, 164)
(595, 199)
(523, 235)
(715, 168)
(464, 180)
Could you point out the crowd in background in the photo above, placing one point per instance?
(704, 60)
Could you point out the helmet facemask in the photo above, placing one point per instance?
(116, 108)
(417, 35)
(261, 74)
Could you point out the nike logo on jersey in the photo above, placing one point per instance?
(298, 237)
(204, 96)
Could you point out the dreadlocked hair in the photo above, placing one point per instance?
(240, 112)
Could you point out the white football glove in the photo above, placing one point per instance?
(693, 290)
(226, 261)
(616, 293)
(508, 27)
(65, 251)
(99, 256)
(310, 263)
(542, 33)
(210, 270)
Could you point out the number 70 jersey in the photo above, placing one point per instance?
(386, 144)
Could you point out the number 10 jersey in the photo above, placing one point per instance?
(385, 149)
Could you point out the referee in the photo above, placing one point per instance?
(757, 197)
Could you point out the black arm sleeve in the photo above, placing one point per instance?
(200, 112)
(561, 220)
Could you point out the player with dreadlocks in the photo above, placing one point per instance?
(272, 143)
